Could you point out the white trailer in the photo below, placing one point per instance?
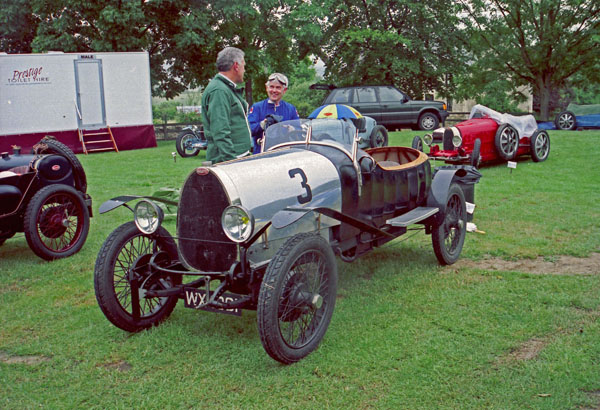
(88, 101)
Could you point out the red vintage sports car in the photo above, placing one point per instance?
(487, 136)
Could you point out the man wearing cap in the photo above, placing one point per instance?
(224, 110)
(276, 85)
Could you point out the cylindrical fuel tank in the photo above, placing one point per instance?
(8, 161)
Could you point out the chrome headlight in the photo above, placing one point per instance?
(427, 139)
(456, 138)
(147, 216)
(237, 223)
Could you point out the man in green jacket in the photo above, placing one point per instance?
(224, 110)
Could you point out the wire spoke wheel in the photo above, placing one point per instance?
(449, 236)
(56, 222)
(124, 258)
(298, 316)
(297, 298)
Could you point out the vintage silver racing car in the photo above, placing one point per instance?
(262, 232)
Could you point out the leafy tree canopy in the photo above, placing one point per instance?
(470, 48)
(539, 43)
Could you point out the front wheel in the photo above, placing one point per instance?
(184, 144)
(449, 236)
(379, 137)
(540, 146)
(428, 121)
(123, 258)
(297, 297)
(56, 222)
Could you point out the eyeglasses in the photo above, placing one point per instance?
(279, 77)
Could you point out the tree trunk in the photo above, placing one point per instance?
(249, 91)
(544, 93)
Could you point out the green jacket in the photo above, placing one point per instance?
(224, 115)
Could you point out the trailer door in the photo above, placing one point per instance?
(90, 93)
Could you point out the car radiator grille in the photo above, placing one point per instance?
(202, 243)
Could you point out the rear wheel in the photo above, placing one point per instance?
(540, 146)
(56, 222)
(124, 257)
(184, 142)
(506, 142)
(297, 297)
(428, 121)
(417, 143)
(565, 121)
(449, 237)
(379, 137)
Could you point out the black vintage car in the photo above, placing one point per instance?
(44, 195)
(262, 232)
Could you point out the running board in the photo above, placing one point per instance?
(412, 217)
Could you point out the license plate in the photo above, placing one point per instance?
(196, 298)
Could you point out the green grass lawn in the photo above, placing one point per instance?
(406, 333)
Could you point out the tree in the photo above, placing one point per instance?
(539, 43)
(17, 26)
(259, 28)
(407, 43)
(304, 99)
(161, 27)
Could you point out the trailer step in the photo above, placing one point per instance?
(98, 142)
(96, 133)
(412, 217)
(100, 149)
(83, 137)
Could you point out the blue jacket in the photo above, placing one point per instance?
(261, 109)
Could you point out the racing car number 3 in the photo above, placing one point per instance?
(307, 196)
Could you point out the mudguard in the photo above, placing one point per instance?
(465, 175)
(122, 200)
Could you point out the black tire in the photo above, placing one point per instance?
(182, 138)
(417, 143)
(50, 145)
(428, 121)
(56, 222)
(127, 251)
(297, 298)
(475, 158)
(448, 237)
(506, 142)
(565, 121)
(378, 137)
(539, 146)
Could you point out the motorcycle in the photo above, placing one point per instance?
(190, 141)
